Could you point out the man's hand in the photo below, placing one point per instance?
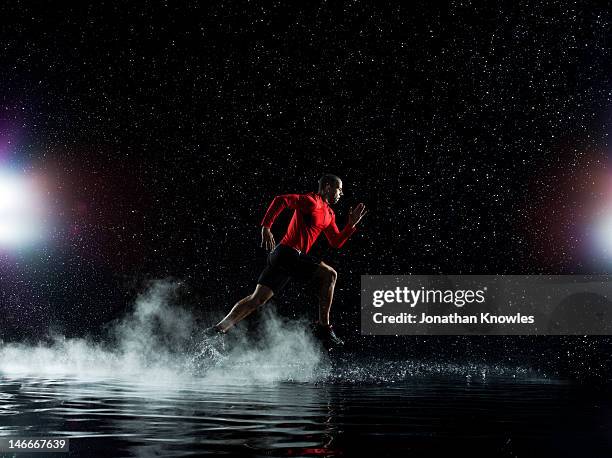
(355, 214)
(267, 239)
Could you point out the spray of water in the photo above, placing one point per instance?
(152, 344)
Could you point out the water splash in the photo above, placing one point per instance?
(149, 345)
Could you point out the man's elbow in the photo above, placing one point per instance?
(337, 243)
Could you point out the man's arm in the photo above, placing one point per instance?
(337, 238)
(293, 201)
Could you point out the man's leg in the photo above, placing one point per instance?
(244, 307)
(326, 277)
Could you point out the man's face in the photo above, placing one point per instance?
(335, 192)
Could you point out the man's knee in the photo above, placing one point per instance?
(261, 295)
(258, 300)
(329, 274)
(333, 275)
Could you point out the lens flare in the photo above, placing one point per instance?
(600, 236)
(22, 211)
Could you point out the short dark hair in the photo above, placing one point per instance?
(326, 179)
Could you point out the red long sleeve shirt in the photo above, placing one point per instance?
(312, 216)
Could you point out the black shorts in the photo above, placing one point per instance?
(284, 263)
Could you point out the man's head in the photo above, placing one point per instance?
(330, 188)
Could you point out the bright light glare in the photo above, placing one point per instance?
(22, 215)
(602, 236)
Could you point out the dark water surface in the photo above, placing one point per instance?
(417, 416)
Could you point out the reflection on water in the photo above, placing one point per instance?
(420, 415)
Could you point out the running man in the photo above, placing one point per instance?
(290, 259)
